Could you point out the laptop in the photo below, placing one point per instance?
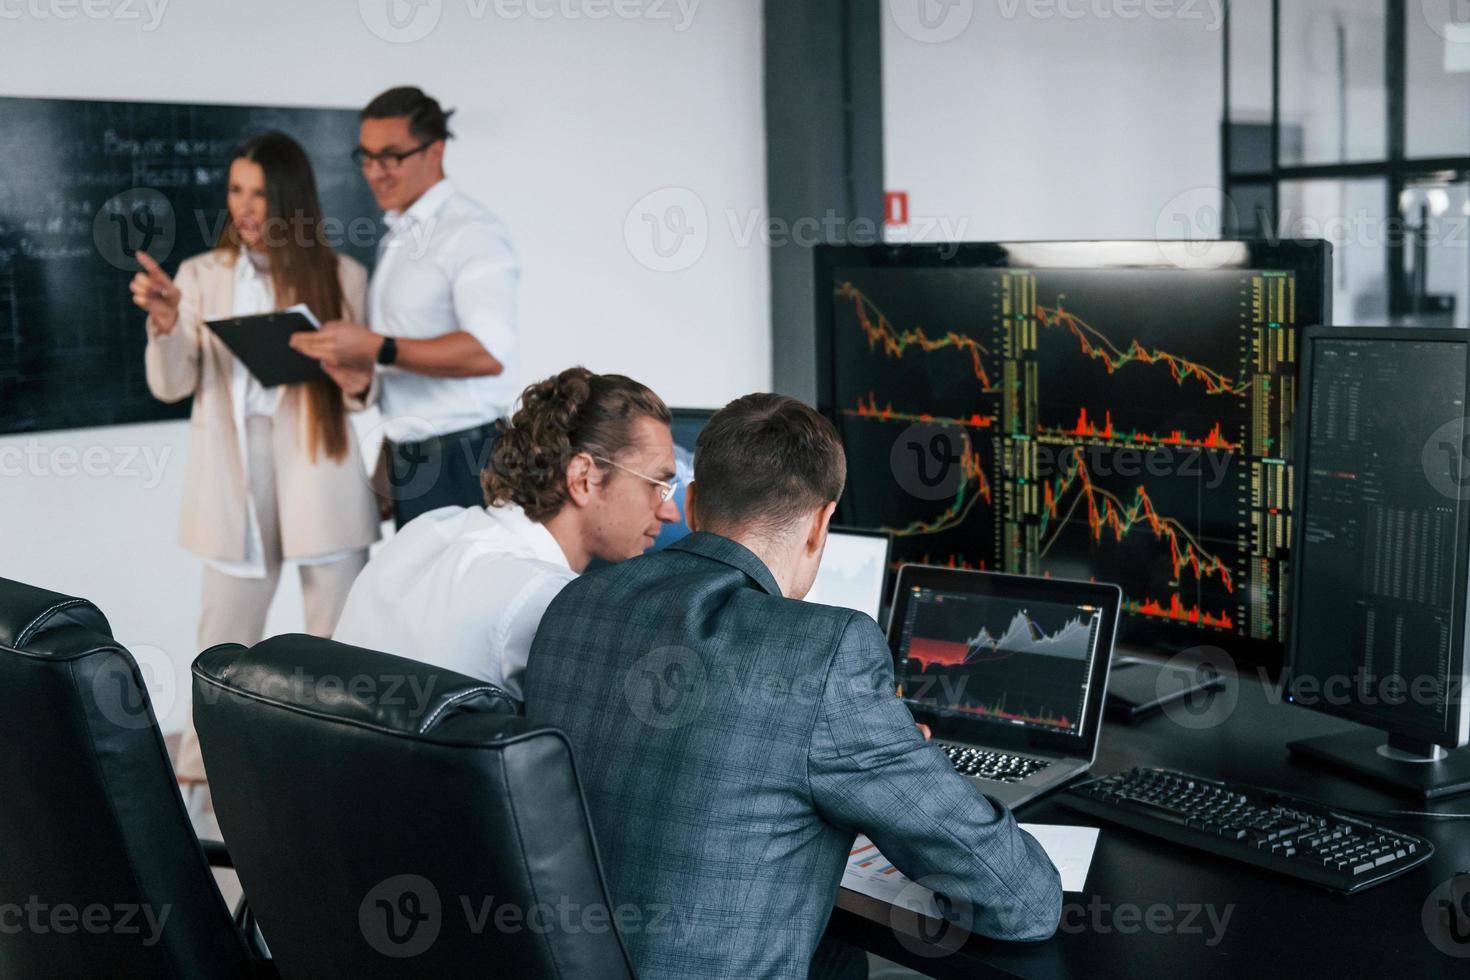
(852, 572)
(1008, 671)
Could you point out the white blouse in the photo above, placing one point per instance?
(254, 294)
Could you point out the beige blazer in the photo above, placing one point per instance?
(325, 506)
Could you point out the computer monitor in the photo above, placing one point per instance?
(1381, 552)
(1117, 411)
(854, 568)
(687, 424)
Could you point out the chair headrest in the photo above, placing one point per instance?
(346, 683)
(27, 612)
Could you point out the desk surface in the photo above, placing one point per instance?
(1276, 926)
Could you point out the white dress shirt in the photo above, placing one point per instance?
(445, 265)
(462, 588)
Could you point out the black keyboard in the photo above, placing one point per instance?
(1280, 833)
(985, 764)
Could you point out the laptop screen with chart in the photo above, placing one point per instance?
(853, 568)
(1008, 671)
(1025, 657)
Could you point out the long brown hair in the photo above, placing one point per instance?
(303, 268)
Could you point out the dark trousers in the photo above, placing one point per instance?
(440, 472)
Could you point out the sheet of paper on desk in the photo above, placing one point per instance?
(869, 873)
(1070, 849)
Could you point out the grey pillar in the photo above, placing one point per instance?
(824, 158)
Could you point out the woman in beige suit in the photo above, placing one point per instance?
(273, 473)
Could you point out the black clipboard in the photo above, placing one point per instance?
(263, 345)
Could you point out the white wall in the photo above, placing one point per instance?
(566, 124)
(1042, 119)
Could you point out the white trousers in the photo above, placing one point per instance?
(235, 608)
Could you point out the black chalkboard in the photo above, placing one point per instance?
(83, 184)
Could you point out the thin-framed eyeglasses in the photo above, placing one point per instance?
(666, 488)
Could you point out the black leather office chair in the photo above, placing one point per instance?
(100, 872)
(390, 819)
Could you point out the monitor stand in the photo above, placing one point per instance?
(1416, 767)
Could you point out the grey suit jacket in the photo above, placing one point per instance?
(731, 743)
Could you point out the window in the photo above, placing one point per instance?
(1333, 89)
(1349, 120)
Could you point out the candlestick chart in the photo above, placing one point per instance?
(1123, 425)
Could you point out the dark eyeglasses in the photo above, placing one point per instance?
(389, 159)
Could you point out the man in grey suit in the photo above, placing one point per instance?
(732, 740)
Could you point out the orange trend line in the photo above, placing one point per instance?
(1100, 348)
(869, 410)
(895, 342)
(965, 501)
(1120, 519)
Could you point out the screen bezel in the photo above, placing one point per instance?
(1296, 630)
(1014, 587)
(1309, 259)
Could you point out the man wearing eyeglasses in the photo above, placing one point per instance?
(583, 470)
(441, 310)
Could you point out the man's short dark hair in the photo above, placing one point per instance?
(763, 462)
(427, 120)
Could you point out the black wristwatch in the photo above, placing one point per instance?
(388, 353)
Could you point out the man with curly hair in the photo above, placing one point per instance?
(584, 469)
